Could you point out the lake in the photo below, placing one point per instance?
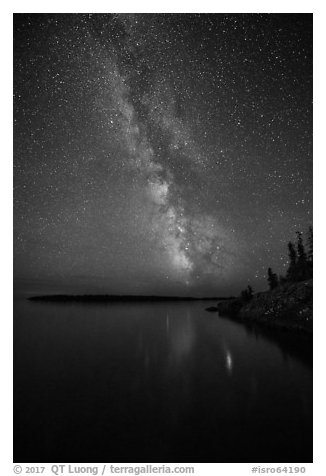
(156, 382)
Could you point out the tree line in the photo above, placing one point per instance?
(300, 265)
(300, 262)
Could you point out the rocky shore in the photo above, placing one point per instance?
(289, 307)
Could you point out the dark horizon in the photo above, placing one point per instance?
(119, 298)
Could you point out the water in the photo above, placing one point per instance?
(161, 382)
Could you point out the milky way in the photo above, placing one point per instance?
(159, 153)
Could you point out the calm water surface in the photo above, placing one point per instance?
(156, 382)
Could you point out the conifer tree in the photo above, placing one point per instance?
(310, 245)
(300, 248)
(291, 272)
(302, 271)
(246, 294)
(272, 279)
(309, 273)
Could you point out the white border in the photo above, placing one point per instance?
(60, 6)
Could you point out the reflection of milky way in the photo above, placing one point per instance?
(181, 335)
(160, 154)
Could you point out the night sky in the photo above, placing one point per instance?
(159, 153)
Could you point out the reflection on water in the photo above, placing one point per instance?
(180, 339)
(156, 382)
(228, 361)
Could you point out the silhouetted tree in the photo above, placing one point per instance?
(302, 267)
(291, 272)
(310, 253)
(310, 245)
(272, 279)
(246, 294)
(300, 247)
(299, 268)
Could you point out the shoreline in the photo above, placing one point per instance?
(288, 308)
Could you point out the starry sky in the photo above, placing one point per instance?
(159, 153)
